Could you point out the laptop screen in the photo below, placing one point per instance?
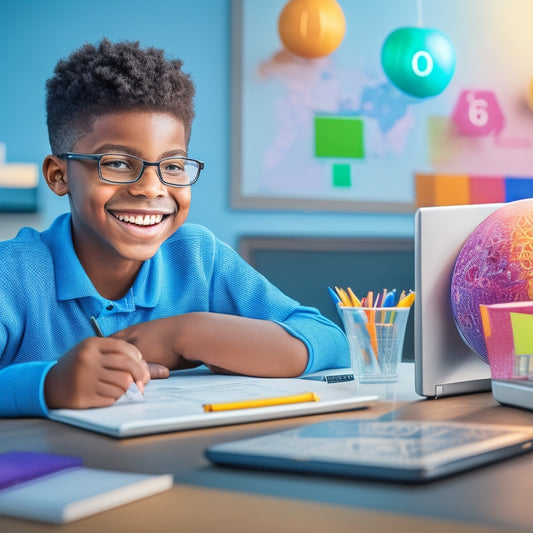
(444, 364)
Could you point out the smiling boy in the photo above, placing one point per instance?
(167, 295)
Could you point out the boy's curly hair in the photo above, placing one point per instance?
(109, 78)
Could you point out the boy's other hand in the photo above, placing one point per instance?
(157, 341)
(158, 371)
(95, 373)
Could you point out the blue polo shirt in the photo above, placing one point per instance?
(46, 299)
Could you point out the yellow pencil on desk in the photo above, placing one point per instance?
(262, 402)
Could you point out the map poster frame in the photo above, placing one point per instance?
(420, 153)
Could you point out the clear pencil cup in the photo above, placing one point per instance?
(375, 337)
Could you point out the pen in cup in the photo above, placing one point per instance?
(134, 392)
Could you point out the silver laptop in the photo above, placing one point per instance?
(444, 364)
(514, 392)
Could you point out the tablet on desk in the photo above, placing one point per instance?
(394, 451)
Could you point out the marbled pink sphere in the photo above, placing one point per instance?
(495, 265)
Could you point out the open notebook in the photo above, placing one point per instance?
(177, 403)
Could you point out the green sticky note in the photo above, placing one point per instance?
(342, 176)
(339, 137)
(522, 326)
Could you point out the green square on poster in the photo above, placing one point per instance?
(339, 137)
(342, 176)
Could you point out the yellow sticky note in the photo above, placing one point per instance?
(522, 326)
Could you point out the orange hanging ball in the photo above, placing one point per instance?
(311, 28)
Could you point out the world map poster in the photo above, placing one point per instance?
(334, 133)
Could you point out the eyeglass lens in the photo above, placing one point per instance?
(123, 168)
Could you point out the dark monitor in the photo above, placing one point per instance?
(304, 267)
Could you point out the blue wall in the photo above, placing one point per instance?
(34, 34)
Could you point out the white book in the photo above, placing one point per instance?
(73, 494)
(177, 403)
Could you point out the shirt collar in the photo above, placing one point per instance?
(73, 283)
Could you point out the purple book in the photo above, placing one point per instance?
(17, 467)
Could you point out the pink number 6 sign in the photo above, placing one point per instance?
(477, 113)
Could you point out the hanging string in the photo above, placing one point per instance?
(420, 14)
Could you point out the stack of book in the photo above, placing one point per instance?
(58, 488)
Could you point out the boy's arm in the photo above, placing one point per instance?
(21, 389)
(230, 317)
(225, 343)
(92, 374)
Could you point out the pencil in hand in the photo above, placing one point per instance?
(134, 392)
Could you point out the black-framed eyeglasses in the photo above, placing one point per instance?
(124, 168)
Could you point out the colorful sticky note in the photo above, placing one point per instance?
(452, 189)
(442, 189)
(424, 185)
(337, 136)
(508, 332)
(522, 326)
(518, 188)
(487, 189)
(342, 176)
(485, 321)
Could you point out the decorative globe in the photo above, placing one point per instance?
(419, 61)
(495, 265)
(311, 28)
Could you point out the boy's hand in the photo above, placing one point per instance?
(157, 341)
(95, 373)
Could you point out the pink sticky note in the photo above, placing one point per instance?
(500, 337)
(478, 113)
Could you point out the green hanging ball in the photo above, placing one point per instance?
(419, 61)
